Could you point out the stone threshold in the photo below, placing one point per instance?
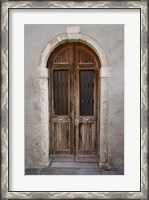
(72, 168)
(74, 165)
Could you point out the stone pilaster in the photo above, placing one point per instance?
(42, 74)
(105, 73)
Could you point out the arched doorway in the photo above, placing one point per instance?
(74, 103)
(73, 34)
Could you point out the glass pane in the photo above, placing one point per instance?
(60, 83)
(86, 92)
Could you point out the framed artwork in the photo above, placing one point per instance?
(74, 99)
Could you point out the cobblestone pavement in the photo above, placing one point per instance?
(62, 168)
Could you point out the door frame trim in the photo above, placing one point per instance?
(73, 34)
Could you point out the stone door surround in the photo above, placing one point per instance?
(73, 34)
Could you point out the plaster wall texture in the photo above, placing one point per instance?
(111, 38)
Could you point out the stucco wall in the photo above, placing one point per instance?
(111, 38)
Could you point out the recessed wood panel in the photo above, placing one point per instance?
(61, 136)
(62, 57)
(84, 57)
(87, 137)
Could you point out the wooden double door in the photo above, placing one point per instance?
(73, 103)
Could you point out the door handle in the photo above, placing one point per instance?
(86, 119)
(60, 119)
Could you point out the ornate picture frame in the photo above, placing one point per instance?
(5, 6)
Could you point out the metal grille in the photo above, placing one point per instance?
(60, 80)
(86, 92)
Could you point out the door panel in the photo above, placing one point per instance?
(86, 122)
(61, 120)
(61, 123)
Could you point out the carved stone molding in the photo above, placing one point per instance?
(44, 119)
(42, 72)
(105, 71)
(104, 96)
(43, 88)
(45, 160)
(72, 34)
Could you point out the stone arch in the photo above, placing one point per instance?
(73, 34)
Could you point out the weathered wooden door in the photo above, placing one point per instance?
(73, 103)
